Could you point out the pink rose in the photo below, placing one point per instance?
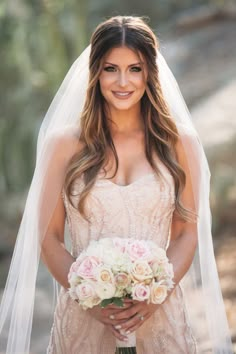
(138, 249)
(141, 292)
(87, 267)
(120, 244)
(85, 291)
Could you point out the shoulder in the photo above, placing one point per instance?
(64, 142)
(187, 143)
(67, 136)
(61, 145)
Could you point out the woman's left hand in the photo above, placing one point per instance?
(137, 314)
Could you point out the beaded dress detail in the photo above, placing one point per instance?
(140, 210)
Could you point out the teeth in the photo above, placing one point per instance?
(122, 93)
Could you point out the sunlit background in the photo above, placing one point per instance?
(39, 40)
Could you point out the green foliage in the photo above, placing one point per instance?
(39, 42)
(114, 300)
(106, 302)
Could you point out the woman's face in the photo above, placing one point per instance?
(123, 79)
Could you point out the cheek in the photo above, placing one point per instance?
(106, 81)
(103, 87)
(139, 82)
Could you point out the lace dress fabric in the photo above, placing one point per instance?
(140, 210)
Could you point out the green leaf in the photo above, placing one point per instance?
(106, 302)
(118, 301)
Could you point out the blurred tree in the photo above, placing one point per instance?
(39, 41)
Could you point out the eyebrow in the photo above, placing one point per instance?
(138, 63)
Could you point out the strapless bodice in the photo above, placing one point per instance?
(140, 210)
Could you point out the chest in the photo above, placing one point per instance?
(132, 163)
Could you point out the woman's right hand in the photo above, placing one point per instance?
(105, 316)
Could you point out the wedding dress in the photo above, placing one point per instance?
(140, 210)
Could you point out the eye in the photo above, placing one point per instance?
(110, 68)
(136, 68)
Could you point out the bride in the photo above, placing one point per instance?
(117, 156)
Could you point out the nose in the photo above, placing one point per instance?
(123, 79)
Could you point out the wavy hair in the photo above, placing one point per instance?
(161, 133)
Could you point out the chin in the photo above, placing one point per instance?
(124, 106)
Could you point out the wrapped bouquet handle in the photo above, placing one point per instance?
(128, 347)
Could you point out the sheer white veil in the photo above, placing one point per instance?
(61, 123)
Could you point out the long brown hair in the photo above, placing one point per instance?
(161, 134)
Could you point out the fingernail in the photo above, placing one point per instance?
(118, 327)
(128, 332)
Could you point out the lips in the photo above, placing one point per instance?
(122, 94)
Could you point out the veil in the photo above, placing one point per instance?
(56, 144)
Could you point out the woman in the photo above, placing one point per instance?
(127, 168)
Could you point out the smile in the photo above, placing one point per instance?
(122, 94)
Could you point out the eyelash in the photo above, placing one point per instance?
(112, 69)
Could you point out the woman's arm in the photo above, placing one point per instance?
(53, 253)
(183, 240)
(61, 148)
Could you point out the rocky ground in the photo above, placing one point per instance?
(203, 61)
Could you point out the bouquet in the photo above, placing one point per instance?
(112, 269)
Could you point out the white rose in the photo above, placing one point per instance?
(90, 302)
(141, 271)
(105, 290)
(73, 279)
(106, 242)
(95, 249)
(72, 293)
(158, 293)
(104, 274)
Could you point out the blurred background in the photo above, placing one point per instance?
(40, 39)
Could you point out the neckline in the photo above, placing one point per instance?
(138, 180)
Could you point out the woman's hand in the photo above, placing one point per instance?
(108, 314)
(132, 317)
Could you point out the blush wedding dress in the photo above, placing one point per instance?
(140, 210)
